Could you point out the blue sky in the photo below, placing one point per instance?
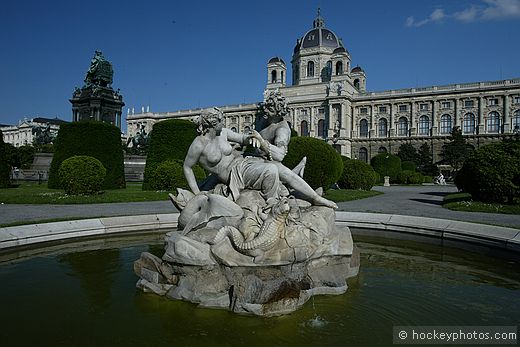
(185, 54)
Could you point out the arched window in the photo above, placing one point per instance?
(234, 129)
(273, 76)
(493, 122)
(424, 125)
(469, 123)
(304, 128)
(281, 76)
(446, 124)
(247, 129)
(310, 69)
(363, 154)
(516, 121)
(321, 128)
(383, 128)
(356, 83)
(296, 73)
(329, 68)
(363, 128)
(382, 150)
(402, 126)
(339, 68)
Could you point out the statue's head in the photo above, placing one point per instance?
(209, 119)
(274, 106)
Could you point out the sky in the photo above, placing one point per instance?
(175, 55)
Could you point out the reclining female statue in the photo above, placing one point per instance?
(213, 151)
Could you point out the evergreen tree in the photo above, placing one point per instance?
(425, 161)
(407, 152)
(457, 150)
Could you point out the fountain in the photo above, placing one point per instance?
(260, 240)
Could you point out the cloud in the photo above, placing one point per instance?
(500, 9)
(487, 10)
(436, 16)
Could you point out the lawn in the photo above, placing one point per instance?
(33, 193)
(464, 202)
(339, 195)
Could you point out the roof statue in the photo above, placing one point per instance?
(100, 72)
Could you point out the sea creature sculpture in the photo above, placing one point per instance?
(272, 229)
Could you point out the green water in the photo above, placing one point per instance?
(86, 296)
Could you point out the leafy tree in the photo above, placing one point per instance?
(4, 166)
(457, 150)
(386, 164)
(407, 152)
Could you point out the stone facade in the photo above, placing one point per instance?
(328, 99)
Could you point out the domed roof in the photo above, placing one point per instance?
(276, 60)
(340, 50)
(319, 36)
(357, 69)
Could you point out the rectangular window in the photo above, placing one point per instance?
(424, 107)
(303, 112)
(382, 109)
(446, 104)
(403, 108)
(516, 100)
(363, 110)
(321, 111)
(469, 103)
(492, 102)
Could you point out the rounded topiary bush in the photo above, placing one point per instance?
(95, 139)
(81, 175)
(492, 173)
(4, 166)
(169, 175)
(324, 165)
(356, 175)
(169, 140)
(416, 178)
(386, 164)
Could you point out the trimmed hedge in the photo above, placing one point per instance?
(169, 175)
(492, 173)
(386, 167)
(324, 165)
(4, 166)
(95, 139)
(356, 175)
(81, 174)
(169, 140)
(410, 177)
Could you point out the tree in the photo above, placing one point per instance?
(407, 152)
(457, 150)
(425, 161)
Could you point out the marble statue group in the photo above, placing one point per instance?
(254, 237)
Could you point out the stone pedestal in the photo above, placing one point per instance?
(387, 181)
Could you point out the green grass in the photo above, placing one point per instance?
(339, 195)
(32, 193)
(48, 220)
(463, 202)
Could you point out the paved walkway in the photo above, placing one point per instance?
(422, 201)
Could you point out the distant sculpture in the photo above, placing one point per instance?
(100, 72)
(43, 135)
(440, 179)
(139, 142)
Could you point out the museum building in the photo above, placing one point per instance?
(328, 99)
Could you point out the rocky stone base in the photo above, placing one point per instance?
(267, 290)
